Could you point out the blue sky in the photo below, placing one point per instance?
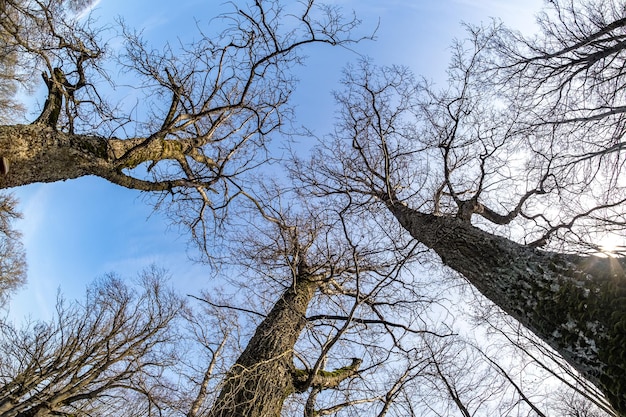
(78, 230)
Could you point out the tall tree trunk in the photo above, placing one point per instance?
(577, 304)
(263, 376)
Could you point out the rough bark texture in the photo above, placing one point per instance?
(52, 107)
(263, 376)
(577, 304)
(38, 153)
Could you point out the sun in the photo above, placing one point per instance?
(612, 244)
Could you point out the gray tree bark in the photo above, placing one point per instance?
(577, 304)
(258, 383)
(264, 375)
(39, 153)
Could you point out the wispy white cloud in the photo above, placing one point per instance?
(33, 202)
(85, 12)
(519, 15)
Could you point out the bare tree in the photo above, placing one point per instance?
(481, 173)
(27, 29)
(9, 106)
(463, 173)
(545, 367)
(567, 83)
(365, 316)
(352, 337)
(89, 354)
(318, 326)
(12, 258)
(329, 286)
(571, 406)
(218, 101)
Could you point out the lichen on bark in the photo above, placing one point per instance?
(577, 304)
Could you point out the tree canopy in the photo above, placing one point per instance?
(508, 177)
(519, 152)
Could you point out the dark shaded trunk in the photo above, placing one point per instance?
(577, 304)
(52, 107)
(263, 376)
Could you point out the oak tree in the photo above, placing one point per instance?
(510, 179)
(211, 106)
(335, 334)
(90, 353)
(511, 174)
(334, 292)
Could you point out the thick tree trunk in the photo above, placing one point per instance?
(37, 153)
(577, 304)
(264, 374)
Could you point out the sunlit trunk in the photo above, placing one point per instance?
(263, 376)
(35, 153)
(577, 304)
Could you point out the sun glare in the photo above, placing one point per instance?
(612, 244)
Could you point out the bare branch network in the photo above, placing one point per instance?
(510, 176)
